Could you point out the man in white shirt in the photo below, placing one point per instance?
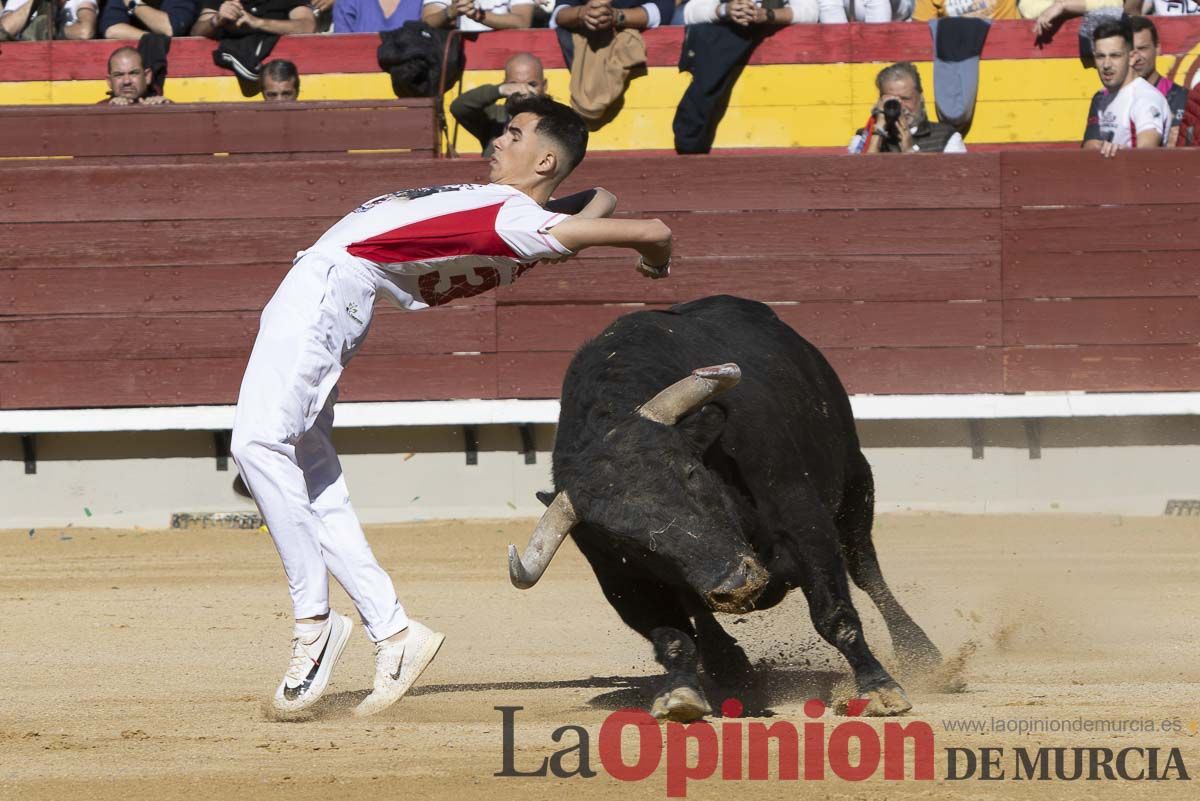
(474, 16)
(417, 248)
(1127, 112)
(1171, 8)
(76, 19)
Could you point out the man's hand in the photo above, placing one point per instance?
(230, 12)
(156, 100)
(120, 101)
(1045, 21)
(474, 12)
(1109, 149)
(598, 15)
(743, 12)
(320, 6)
(514, 88)
(461, 8)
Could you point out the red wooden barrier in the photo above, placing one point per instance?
(1013, 272)
(107, 132)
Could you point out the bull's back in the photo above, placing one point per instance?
(788, 402)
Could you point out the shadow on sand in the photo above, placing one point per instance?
(771, 686)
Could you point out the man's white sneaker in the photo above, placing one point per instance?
(311, 665)
(398, 666)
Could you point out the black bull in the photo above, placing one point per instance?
(703, 497)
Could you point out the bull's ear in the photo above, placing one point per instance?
(703, 427)
(546, 498)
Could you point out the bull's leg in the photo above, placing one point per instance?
(680, 697)
(822, 577)
(727, 665)
(854, 519)
(653, 610)
(722, 657)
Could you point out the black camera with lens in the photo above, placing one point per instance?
(891, 115)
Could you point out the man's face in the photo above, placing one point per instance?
(527, 73)
(517, 152)
(127, 77)
(912, 102)
(1112, 62)
(274, 91)
(1145, 53)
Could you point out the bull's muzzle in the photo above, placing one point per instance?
(740, 589)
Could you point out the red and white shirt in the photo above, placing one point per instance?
(430, 246)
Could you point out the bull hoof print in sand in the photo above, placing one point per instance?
(682, 704)
(886, 701)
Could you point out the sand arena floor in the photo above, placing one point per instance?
(135, 664)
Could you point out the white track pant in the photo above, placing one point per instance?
(281, 441)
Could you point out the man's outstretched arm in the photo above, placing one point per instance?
(590, 203)
(650, 238)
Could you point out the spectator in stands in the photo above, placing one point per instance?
(230, 19)
(129, 80)
(130, 19)
(478, 15)
(373, 16)
(602, 45)
(903, 126)
(34, 20)
(987, 9)
(839, 11)
(1127, 112)
(1049, 14)
(719, 40)
(24, 20)
(1173, 8)
(1189, 129)
(596, 17)
(280, 81)
(1143, 61)
(480, 110)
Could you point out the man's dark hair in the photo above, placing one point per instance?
(558, 123)
(1111, 28)
(282, 70)
(121, 50)
(1138, 24)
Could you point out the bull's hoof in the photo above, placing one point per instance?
(681, 704)
(886, 701)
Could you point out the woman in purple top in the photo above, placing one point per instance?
(372, 16)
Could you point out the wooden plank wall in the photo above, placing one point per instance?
(291, 130)
(141, 285)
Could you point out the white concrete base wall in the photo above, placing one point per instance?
(1129, 466)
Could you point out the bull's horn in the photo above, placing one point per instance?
(556, 523)
(691, 393)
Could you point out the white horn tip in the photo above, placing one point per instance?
(727, 372)
(516, 570)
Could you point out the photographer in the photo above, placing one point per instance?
(898, 122)
(483, 110)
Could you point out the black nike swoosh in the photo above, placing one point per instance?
(292, 693)
(399, 667)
